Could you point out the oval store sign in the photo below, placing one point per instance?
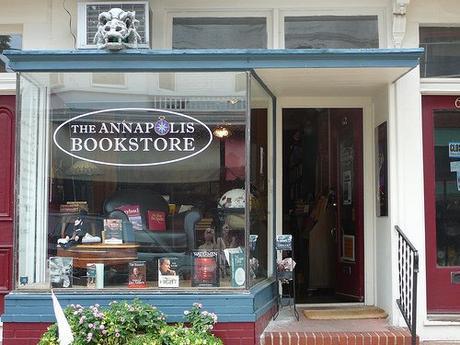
(132, 137)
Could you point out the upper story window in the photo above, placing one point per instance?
(442, 52)
(310, 32)
(219, 33)
(13, 41)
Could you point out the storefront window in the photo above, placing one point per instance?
(136, 187)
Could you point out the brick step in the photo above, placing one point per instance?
(396, 336)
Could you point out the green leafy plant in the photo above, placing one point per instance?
(112, 326)
(134, 323)
(200, 321)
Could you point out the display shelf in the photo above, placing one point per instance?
(286, 278)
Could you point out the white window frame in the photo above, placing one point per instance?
(379, 12)
(223, 13)
(82, 19)
(8, 79)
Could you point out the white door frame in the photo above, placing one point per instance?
(364, 103)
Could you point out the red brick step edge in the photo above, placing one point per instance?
(391, 337)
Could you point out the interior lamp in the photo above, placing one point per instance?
(222, 131)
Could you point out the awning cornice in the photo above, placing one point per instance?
(143, 60)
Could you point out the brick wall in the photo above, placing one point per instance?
(23, 333)
(231, 333)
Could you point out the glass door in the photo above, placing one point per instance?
(441, 126)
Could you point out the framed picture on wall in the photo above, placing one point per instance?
(381, 156)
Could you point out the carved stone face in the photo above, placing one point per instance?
(117, 30)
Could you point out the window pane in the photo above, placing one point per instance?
(331, 32)
(447, 175)
(13, 41)
(258, 238)
(442, 52)
(219, 33)
(140, 191)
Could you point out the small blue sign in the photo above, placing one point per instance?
(454, 150)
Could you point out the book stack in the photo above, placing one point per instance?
(61, 272)
(134, 215)
(237, 264)
(73, 207)
(156, 220)
(91, 276)
(203, 224)
(205, 268)
(137, 274)
(167, 272)
(113, 231)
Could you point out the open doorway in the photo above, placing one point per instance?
(323, 202)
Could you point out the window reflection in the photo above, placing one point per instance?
(447, 169)
(136, 178)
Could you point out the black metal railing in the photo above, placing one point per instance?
(408, 271)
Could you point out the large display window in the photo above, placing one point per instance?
(141, 181)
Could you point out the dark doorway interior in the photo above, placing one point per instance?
(310, 205)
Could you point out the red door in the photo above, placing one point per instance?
(347, 182)
(441, 154)
(7, 122)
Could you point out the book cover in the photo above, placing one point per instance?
(137, 274)
(283, 242)
(61, 272)
(167, 272)
(91, 276)
(99, 276)
(156, 220)
(113, 231)
(205, 266)
(253, 242)
(134, 214)
(237, 268)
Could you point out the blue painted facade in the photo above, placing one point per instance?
(238, 306)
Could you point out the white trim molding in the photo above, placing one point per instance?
(7, 83)
(440, 86)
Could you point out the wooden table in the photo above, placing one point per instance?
(98, 253)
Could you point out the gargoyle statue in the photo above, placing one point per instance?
(117, 30)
